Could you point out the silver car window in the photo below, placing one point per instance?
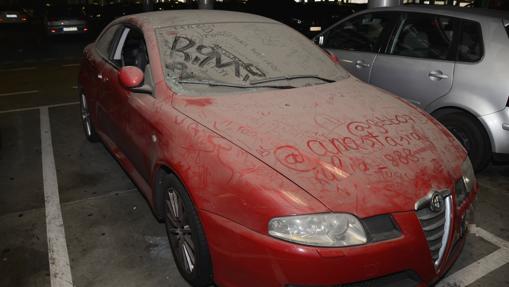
(361, 33)
(470, 47)
(424, 36)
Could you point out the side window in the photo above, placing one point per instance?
(105, 43)
(362, 33)
(131, 50)
(424, 36)
(470, 47)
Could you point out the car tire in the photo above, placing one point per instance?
(86, 120)
(185, 234)
(470, 133)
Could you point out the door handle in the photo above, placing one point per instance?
(359, 64)
(437, 75)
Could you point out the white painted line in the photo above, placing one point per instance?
(19, 93)
(492, 238)
(481, 267)
(477, 270)
(71, 65)
(60, 270)
(39, 107)
(18, 69)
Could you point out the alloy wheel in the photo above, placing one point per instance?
(85, 116)
(181, 237)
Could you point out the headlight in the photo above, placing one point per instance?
(468, 175)
(326, 229)
(466, 183)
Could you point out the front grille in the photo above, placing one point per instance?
(435, 224)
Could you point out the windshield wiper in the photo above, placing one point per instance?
(281, 78)
(224, 84)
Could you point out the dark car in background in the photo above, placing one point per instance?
(66, 20)
(14, 15)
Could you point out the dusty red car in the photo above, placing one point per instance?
(271, 165)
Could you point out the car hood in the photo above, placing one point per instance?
(352, 146)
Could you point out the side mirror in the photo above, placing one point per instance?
(319, 39)
(131, 78)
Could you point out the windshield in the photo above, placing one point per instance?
(242, 57)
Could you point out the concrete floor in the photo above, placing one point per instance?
(112, 237)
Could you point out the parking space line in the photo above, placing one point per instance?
(39, 107)
(481, 267)
(19, 93)
(18, 69)
(60, 270)
(492, 238)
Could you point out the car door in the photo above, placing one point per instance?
(111, 111)
(131, 110)
(418, 64)
(96, 58)
(357, 40)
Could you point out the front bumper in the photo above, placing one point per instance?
(497, 126)
(243, 257)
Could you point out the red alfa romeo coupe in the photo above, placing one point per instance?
(269, 164)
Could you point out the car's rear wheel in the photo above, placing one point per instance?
(86, 119)
(470, 133)
(185, 233)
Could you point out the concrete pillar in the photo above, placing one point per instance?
(205, 4)
(383, 3)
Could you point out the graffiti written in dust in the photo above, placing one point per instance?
(332, 159)
(200, 55)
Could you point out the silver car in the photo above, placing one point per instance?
(451, 62)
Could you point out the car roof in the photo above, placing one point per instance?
(189, 17)
(448, 10)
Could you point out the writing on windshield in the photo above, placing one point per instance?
(187, 52)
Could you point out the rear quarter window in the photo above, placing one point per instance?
(470, 46)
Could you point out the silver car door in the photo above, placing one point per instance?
(357, 40)
(419, 63)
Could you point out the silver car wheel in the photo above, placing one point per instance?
(85, 116)
(179, 231)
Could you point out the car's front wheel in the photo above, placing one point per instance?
(86, 119)
(470, 133)
(185, 233)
